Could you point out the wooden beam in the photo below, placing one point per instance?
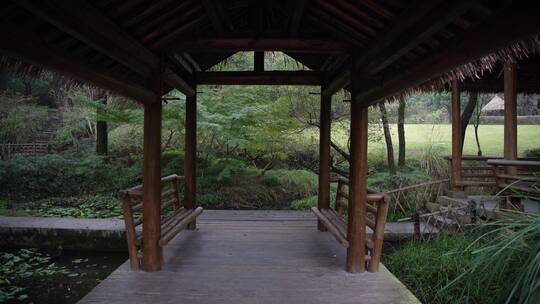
(258, 61)
(194, 63)
(85, 23)
(456, 136)
(358, 169)
(177, 82)
(190, 156)
(404, 21)
(298, 7)
(219, 44)
(510, 114)
(152, 258)
(515, 23)
(22, 45)
(324, 154)
(427, 26)
(259, 78)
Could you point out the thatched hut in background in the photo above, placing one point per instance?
(495, 107)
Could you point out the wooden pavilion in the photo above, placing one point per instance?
(376, 49)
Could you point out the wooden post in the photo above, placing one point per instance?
(190, 157)
(152, 254)
(324, 154)
(510, 115)
(356, 232)
(456, 136)
(258, 61)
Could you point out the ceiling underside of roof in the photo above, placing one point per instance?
(128, 38)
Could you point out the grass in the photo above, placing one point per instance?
(491, 138)
(440, 136)
(426, 268)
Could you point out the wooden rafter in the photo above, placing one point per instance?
(298, 8)
(259, 78)
(514, 24)
(219, 44)
(211, 10)
(407, 19)
(83, 22)
(21, 45)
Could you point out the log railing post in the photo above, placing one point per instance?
(324, 154)
(190, 157)
(356, 232)
(456, 136)
(152, 253)
(510, 115)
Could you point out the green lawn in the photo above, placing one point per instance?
(491, 138)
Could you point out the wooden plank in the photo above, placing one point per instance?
(358, 170)
(259, 78)
(515, 23)
(24, 45)
(280, 264)
(291, 45)
(510, 115)
(331, 227)
(187, 220)
(152, 253)
(456, 135)
(324, 153)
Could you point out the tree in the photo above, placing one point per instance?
(388, 139)
(101, 127)
(401, 132)
(467, 114)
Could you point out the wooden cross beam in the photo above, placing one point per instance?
(85, 23)
(219, 44)
(259, 78)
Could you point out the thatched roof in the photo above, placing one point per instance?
(495, 104)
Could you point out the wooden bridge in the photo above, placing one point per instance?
(252, 257)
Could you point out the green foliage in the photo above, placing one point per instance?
(304, 203)
(20, 266)
(426, 268)
(513, 245)
(20, 117)
(54, 175)
(534, 152)
(88, 206)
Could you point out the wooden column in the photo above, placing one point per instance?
(258, 61)
(510, 114)
(356, 232)
(456, 136)
(324, 154)
(190, 155)
(152, 258)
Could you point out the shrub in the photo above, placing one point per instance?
(426, 268)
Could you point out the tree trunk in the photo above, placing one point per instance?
(467, 114)
(401, 132)
(101, 130)
(388, 139)
(477, 139)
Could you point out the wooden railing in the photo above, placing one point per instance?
(414, 197)
(36, 148)
(516, 179)
(376, 210)
(174, 217)
(476, 172)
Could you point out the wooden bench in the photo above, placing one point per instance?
(377, 209)
(516, 179)
(174, 217)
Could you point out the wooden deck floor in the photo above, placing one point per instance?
(252, 257)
